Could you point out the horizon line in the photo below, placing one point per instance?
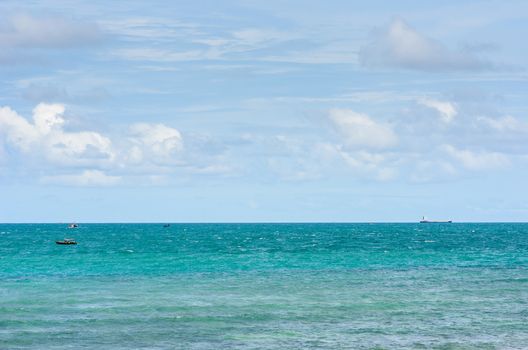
(256, 222)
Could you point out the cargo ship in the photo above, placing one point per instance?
(425, 221)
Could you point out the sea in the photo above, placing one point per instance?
(264, 286)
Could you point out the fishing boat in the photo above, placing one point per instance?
(73, 225)
(66, 241)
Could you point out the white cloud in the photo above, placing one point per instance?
(86, 178)
(24, 30)
(477, 161)
(367, 164)
(361, 131)
(399, 45)
(46, 144)
(445, 109)
(17, 130)
(505, 124)
(154, 141)
(45, 137)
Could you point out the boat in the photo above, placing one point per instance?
(73, 226)
(66, 241)
(425, 221)
(166, 225)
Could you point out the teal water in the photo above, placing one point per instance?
(264, 286)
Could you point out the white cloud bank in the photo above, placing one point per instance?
(377, 150)
(45, 142)
(362, 149)
(399, 45)
(356, 145)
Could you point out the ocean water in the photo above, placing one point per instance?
(264, 286)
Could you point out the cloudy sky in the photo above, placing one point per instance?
(263, 111)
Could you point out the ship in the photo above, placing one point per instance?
(425, 221)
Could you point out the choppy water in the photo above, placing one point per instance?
(265, 286)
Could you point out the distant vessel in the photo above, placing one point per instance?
(424, 221)
(73, 226)
(66, 241)
(166, 225)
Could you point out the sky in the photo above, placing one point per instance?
(263, 111)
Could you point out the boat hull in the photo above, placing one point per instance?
(435, 222)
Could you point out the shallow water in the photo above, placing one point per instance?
(264, 286)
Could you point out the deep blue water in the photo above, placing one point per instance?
(264, 286)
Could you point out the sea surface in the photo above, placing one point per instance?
(264, 286)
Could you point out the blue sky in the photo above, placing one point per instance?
(263, 111)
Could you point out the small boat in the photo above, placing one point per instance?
(73, 226)
(66, 241)
(166, 225)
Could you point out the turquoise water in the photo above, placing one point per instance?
(264, 286)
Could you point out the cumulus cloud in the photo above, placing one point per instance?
(45, 137)
(155, 141)
(361, 131)
(356, 145)
(27, 31)
(46, 142)
(445, 109)
(477, 161)
(399, 45)
(85, 178)
(424, 152)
